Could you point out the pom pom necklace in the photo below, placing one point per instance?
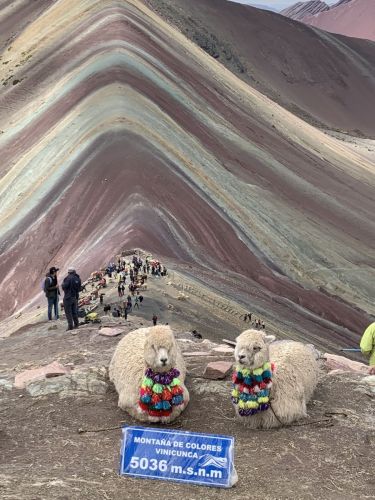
(251, 389)
(159, 392)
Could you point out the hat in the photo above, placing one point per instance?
(71, 269)
(53, 270)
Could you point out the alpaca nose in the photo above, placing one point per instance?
(241, 357)
(164, 361)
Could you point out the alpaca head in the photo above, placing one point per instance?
(160, 350)
(252, 348)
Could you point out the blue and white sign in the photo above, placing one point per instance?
(188, 457)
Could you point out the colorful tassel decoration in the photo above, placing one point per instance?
(251, 389)
(160, 392)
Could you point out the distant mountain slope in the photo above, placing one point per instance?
(354, 18)
(324, 78)
(302, 9)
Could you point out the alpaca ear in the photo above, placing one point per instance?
(269, 338)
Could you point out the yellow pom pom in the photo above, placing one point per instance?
(263, 400)
(235, 393)
(258, 371)
(246, 372)
(241, 404)
(251, 404)
(267, 366)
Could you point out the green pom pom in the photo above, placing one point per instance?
(158, 389)
(175, 381)
(148, 382)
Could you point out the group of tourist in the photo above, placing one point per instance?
(137, 270)
(257, 323)
(71, 287)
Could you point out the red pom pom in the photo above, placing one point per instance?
(155, 399)
(273, 367)
(159, 413)
(242, 387)
(166, 395)
(177, 390)
(262, 385)
(234, 378)
(154, 413)
(143, 406)
(146, 391)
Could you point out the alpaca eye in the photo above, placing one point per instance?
(256, 348)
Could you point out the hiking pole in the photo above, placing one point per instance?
(351, 350)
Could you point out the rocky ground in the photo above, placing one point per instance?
(60, 437)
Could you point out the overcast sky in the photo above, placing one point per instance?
(276, 4)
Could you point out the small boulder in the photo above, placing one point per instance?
(223, 349)
(196, 353)
(217, 370)
(335, 362)
(110, 332)
(78, 383)
(54, 369)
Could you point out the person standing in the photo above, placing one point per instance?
(52, 292)
(71, 286)
(136, 302)
(367, 346)
(154, 319)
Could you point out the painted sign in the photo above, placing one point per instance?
(188, 457)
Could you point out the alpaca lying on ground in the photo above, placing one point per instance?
(148, 371)
(272, 383)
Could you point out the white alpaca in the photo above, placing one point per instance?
(293, 381)
(154, 348)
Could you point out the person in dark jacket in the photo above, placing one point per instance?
(71, 286)
(52, 292)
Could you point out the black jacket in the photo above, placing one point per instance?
(71, 286)
(50, 286)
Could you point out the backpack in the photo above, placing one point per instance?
(44, 284)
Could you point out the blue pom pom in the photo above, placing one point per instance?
(146, 398)
(258, 378)
(166, 405)
(267, 374)
(177, 400)
(247, 380)
(159, 406)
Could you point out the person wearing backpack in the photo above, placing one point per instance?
(52, 292)
(71, 286)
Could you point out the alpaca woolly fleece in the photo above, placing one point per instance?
(156, 348)
(293, 381)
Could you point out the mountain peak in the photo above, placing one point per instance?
(302, 9)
